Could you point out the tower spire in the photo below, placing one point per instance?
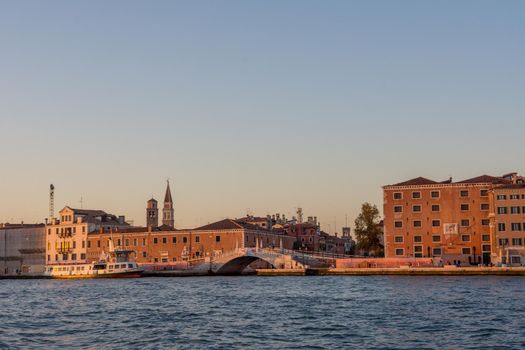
(168, 215)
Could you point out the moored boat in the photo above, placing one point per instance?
(116, 264)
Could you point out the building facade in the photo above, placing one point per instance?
(448, 220)
(508, 224)
(22, 249)
(66, 237)
(166, 246)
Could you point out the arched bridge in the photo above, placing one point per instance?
(235, 262)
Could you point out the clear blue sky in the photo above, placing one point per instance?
(260, 105)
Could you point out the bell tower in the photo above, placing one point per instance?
(152, 213)
(168, 215)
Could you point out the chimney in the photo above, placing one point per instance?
(122, 219)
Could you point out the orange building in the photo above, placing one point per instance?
(449, 220)
(151, 246)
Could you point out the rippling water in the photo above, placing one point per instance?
(265, 313)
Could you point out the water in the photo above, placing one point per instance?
(265, 313)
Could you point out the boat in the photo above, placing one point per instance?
(116, 264)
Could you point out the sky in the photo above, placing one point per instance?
(254, 107)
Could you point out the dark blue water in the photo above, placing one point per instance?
(265, 313)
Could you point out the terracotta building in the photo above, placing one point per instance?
(508, 223)
(165, 246)
(449, 220)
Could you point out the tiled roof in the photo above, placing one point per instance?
(226, 224)
(89, 212)
(417, 181)
(484, 179)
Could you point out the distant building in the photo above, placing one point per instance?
(448, 220)
(66, 237)
(168, 246)
(22, 249)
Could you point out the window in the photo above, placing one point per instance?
(74, 256)
(398, 239)
(155, 240)
(463, 193)
(83, 229)
(515, 210)
(417, 223)
(516, 226)
(48, 257)
(485, 222)
(164, 240)
(197, 239)
(515, 259)
(416, 195)
(465, 222)
(416, 208)
(398, 224)
(502, 210)
(436, 238)
(89, 244)
(400, 252)
(465, 238)
(398, 195)
(418, 251)
(143, 242)
(118, 242)
(418, 239)
(484, 193)
(436, 223)
(434, 194)
(184, 239)
(501, 227)
(144, 254)
(74, 245)
(465, 250)
(436, 251)
(135, 242)
(98, 243)
(484, 206)
(464, 207)
(485, 238)
(83, 244)
(503, 241)
(217, 238)
(501, 197)
(127, 242)
(398, 209)
(83, 256)
(174, 240)
(435, 207)
(485, 248)
(517, 241)
(514, 196)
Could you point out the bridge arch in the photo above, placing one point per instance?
(237, 265)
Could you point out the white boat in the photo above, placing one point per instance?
(116, 264)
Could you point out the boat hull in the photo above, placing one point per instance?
(128, 274)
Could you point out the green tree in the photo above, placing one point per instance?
(367, 230)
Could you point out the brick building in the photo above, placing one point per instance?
(152, 246)
(450, 220)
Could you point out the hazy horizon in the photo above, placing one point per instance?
(253, 106)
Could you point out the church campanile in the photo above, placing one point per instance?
(168, 215)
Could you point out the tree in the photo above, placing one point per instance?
(367, 230)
